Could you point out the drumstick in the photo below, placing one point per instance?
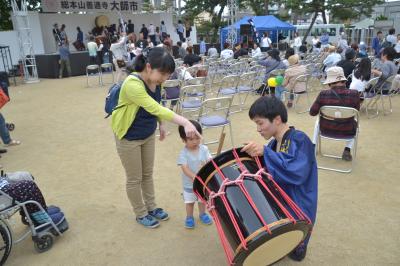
(221, 143)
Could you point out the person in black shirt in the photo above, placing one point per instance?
(144, 31)
(241, 51)
(348, 64)
(131, 27)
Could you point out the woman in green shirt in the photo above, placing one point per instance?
(134, 125)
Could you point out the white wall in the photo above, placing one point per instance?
(10, 38)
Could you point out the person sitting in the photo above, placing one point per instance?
(317, 48)
(362, 52)
(26, 190)
(361, 75)
(226, 53)
(332, 59)
(289, 53)
(191, 59)
(181, 51)
(337, 95)
(272, 62)
(212, 52)
(241, 50)
(386, 69)
(256, 52)
(289, 83)
(348, 64)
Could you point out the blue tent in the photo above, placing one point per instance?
(269, 23)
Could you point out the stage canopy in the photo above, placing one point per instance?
(270, 23)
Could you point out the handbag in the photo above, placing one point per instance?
(3, 98)
(121, 63)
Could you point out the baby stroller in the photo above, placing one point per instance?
(42, 234)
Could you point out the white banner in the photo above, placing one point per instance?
(91, 6)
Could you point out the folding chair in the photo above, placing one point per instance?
(106, 68)
(91, 68)
(215, 113)
(246, 86)
(387, 94)
(171, 92)
(301, 79)
(369, 103)
(191, 98)
(338, 113)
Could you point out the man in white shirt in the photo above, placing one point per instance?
(391, 37)
(297, 43)
(265, 43)
(256, 52)
(92, 49)
(226, 53)
(212, 52)
(152, 34)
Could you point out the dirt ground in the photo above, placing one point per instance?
(69, 147)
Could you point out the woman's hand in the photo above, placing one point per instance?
(163, 131)
(253, 149)
(191, 131)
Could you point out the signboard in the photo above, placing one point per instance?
(91, 6)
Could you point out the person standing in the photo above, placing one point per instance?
(119, 54)
(265, 43)
(391, 38)
(297, 42)
(57, 36)
(324, 40)
(131, 27)
(163, 30)
(79, 40)
(63, 35)
(377, 44)
(134, 124)
(152, 33)
(180, 29)
(144, 31)
(92, 48)
(64, 59)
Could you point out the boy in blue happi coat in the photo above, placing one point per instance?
(289, 157)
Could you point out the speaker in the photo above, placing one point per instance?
(245, 29)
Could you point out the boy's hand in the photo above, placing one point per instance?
(253, 149)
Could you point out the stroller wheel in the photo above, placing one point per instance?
(44, 243)
(24, 220)
(5, 242)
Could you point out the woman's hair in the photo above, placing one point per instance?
(158, 58)
(182, 133)
(268, 107)
(274, 53)
(189, 50)
(363, 70)
(289, 53)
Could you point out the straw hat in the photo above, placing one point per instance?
(334, 74)
(293, 59)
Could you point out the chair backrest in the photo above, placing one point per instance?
(92, 67)
(247, 79)
(195, 81)
(302, 79)
(106, 65)
(278, 72)
(193, 92)
(372, 83)
(171, 83)
(216, 106)
(229, 81)
(191, 70)
(339, 112)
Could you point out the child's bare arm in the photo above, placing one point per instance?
(188, 172)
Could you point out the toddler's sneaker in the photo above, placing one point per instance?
(205, 218)
(148, 221)
(160, 214)
(189, 222)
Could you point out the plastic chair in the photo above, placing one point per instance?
(338, 113)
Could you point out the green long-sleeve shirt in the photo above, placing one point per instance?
(132, 96)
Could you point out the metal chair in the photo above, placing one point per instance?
(91, 68)
(387, 94)
(301, 79)
(191, 98)
(369, 103)
(171, 92)
(106, 68)
(246, 86)
(338, 113)
(214, 113)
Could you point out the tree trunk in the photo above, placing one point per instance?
(266, 4)
(324, 17)
(311, 25)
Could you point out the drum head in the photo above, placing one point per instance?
(102, 20)
(265, 248)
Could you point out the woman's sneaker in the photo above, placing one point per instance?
(205, 218)
(148, 221)
(189, 222)
(160, 214)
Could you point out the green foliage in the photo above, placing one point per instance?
(147, 6)
(381, 17)
(5, 9)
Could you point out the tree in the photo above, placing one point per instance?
(147, 6)
(5, 9)
(167, 5)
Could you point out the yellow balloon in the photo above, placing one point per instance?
(272, 82)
